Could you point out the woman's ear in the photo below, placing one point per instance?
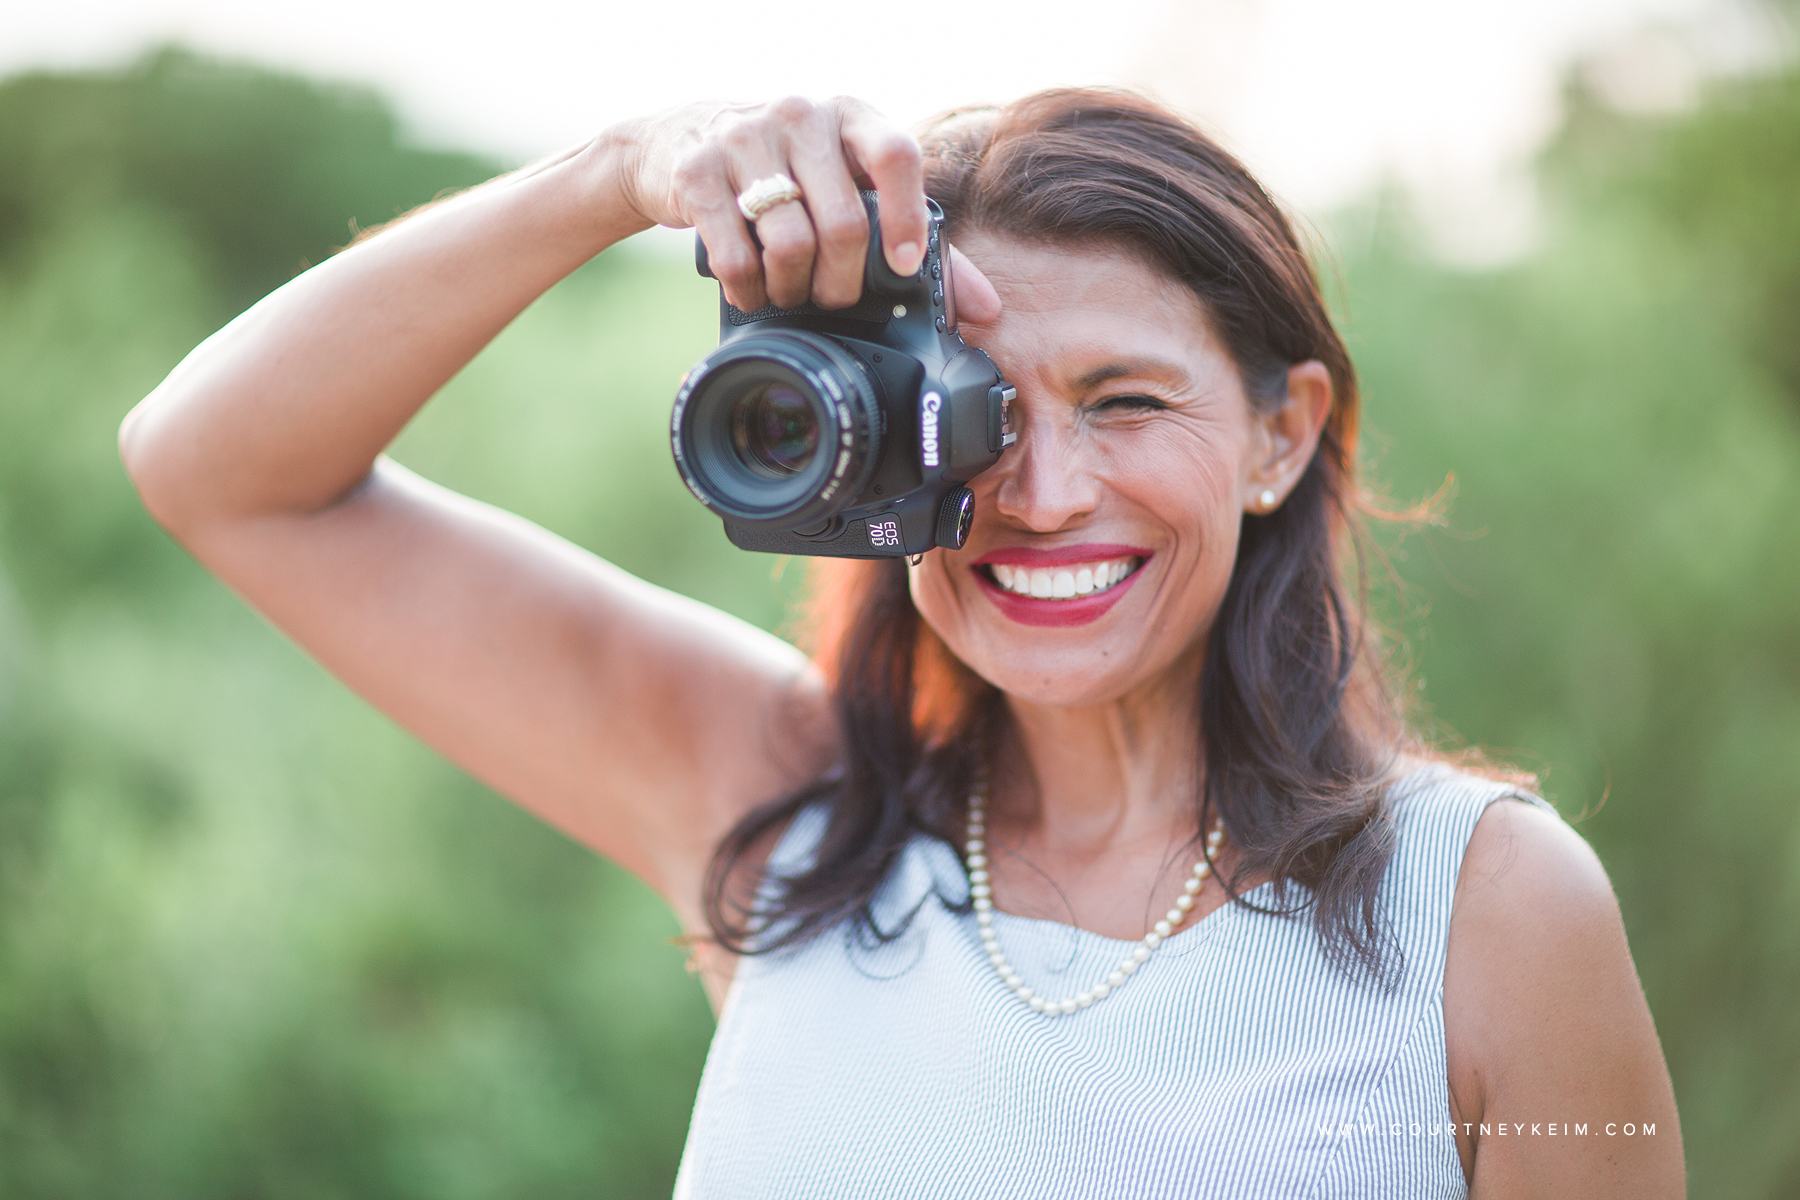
(1287, 436)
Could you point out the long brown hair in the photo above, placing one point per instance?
(1297, 734)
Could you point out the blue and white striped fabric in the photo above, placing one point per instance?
(1237, 1063)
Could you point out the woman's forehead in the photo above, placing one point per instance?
(1042, 271)
(1090, 314)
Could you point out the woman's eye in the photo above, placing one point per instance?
(1133, 401)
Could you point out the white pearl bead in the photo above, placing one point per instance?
(981, 893)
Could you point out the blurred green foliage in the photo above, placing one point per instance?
(255, 942)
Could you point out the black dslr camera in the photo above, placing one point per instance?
(846, 433)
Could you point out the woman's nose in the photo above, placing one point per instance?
(1044, 482)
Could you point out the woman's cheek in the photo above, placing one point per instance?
(933, 584)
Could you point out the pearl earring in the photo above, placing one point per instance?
(1267, 499)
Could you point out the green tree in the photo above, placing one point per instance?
(253, 941)
(1620, 608)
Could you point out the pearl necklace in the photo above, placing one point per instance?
(982, 894)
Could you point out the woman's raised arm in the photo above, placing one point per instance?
(641, 723)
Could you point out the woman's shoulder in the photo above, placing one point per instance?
(1533, 906)
(1438, 806)
(1542, 1007)
(1494, 826)
(1523, 859)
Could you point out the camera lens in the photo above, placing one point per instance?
(780, 427)
(774, 430)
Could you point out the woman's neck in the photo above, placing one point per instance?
(1076, 782)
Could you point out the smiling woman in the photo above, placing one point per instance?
(928, 864)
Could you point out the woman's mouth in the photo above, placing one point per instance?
(1062, 583)
(1071, 585)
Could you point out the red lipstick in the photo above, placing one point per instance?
(1080, 610)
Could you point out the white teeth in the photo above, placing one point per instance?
(1065, 584)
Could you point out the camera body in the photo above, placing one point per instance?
(846, 433)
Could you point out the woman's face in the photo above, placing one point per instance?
(1104, 538)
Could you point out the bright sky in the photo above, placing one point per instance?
(1322, 97)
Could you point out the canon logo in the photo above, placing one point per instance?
(928, 428)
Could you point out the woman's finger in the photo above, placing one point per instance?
(839, 221)
(973, 294)
(890, 158)
(702, 184)
(732, 257)
(754, 151)
(788, 250)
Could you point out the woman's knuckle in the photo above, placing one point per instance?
(846, 107)
(738, 133)
(787, 248)
(733, 266)
(841, 227)
(896, 151)
(793, 110)
(693, 167)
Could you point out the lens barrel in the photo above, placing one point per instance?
(781, 427)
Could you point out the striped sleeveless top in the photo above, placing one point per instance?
(1237, 1062)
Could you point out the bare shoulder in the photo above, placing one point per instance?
(1547, 1031)
(1522, 861)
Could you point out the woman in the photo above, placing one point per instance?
(936, 856)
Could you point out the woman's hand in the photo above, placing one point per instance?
(689, 164)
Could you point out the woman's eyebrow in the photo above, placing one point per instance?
(1127, 367)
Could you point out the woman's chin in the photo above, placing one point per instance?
(1065, 678)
